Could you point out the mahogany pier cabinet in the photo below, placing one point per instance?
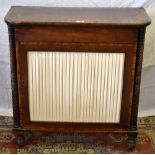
(76, 69)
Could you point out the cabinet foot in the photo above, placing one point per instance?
(131, 141)
(20, 139)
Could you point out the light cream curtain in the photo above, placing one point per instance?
(75, 86)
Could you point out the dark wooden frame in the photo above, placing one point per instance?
(25, 122)
(19, 43)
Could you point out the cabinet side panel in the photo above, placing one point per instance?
(14, 83)
(137, 79)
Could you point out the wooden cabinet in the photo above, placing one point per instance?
(76, 69)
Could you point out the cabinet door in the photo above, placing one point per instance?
(75, 86)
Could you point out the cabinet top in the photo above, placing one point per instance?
(27, 15)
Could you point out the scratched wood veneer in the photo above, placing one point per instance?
(76, 69)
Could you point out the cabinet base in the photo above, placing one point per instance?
(22, 137)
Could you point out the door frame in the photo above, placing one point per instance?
(127, 93)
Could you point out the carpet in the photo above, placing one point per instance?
(78, 143)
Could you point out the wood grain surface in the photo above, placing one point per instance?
(19, 15)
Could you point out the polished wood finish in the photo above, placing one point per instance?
(77, 30)
(14, 83)
(28, 15)
(77, 34)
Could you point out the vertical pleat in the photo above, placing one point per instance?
(54, 87)
(75, 87)
(89, 88)
(60, 87)
(98, 94)
(71, 75)
(85, 91)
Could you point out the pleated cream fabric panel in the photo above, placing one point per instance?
(75, 86)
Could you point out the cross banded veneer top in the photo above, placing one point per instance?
(21, 15)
